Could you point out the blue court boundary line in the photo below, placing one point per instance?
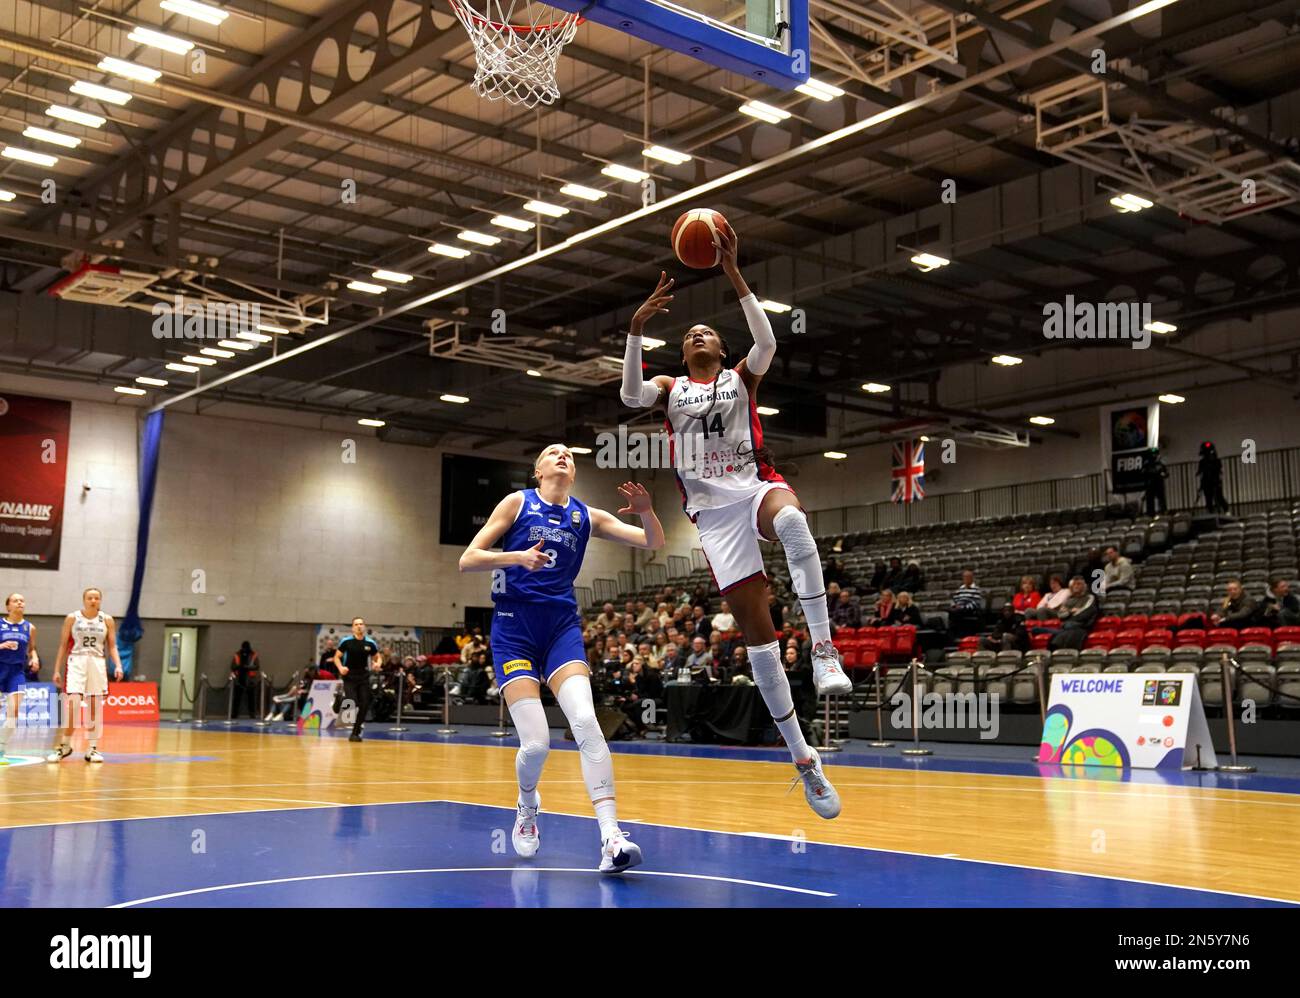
(856, 759)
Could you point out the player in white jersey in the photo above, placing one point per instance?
(89, 637)
(734, 497)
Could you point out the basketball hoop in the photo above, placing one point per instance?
(517, 44)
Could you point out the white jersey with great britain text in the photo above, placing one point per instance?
(714, 442)
(89, 635)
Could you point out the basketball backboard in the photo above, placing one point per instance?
(767, 40)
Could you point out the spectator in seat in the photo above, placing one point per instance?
(913, 581)
(904, 612)
(1056, 595)
(1118, 573)
(670, 664)
(645, 617)
(721, 660)
(1008, 632)
(608, 619)
(700, 658)
(1237, 609)
(878, 575)
(894, 577)
(724, 620)
(613, 657)
(472, 647)
(1280, 608)
(1077, 614)
(701, 626)
(845, 613)
(966, 612)
(775, 609)
(326, 661)
(884, 607)
(740, 663)
(701, 596)
(646, 653)
(1028, 597)
(834, 572)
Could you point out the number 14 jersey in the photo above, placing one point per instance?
(715, 437)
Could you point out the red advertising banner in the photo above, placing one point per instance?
(131, 703)
(34, 448)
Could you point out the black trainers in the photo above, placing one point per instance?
(354, 738)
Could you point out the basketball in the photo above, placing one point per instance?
(695, 238)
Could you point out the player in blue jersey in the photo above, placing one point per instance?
(17, 655)
(537, 632)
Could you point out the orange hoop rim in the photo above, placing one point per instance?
(519, 29)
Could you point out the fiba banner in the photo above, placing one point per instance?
(1142, 720)
(40, 701)
(1128, 434)
(318, 713)
(34, 442)
(132, 703)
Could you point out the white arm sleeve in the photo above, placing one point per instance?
(764, 348)
(636, 393)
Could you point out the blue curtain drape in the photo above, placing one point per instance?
(130, 630)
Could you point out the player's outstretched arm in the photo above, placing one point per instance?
(110, 639)
(650, 535)
(759, 358)
(479, 558)
(65, 637)
(636, 392)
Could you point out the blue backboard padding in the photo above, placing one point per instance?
(669, 29)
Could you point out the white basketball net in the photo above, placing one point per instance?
(517, 44)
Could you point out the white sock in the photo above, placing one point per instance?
(534, 746)
(805, 563)
(597, 766)
(6, 730)
(774, 685)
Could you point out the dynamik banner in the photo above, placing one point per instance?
(34, 442)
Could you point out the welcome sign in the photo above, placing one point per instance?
(1144, 720)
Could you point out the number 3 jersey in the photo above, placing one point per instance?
(715, 438)
(564, 531)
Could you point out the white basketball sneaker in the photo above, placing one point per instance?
(827, 674)
(821, 796)
(525, 837)
(618, 854)
(59, 753)
(94, 756)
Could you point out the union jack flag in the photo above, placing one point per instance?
(909, 475)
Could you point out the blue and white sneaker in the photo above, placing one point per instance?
(828, 676)
(817, 790)
(525, 836)
(618, 854)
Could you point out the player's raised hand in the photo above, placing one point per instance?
(730, 246)
(533, 559)
(636, 497)
(655, 304)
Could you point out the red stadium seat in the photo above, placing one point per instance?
(849, 658)
(1222, 636)
(1187, 618)
(1100, 639)
(971, 643)
(1157, 636)
(1107, 624)
(1134, 620)
(1038, 641)
(1130, 636)
(1052, 622)
(1190, 637)
(1163, 621)
(1257, 636)
(1291, 634)
(904, 640)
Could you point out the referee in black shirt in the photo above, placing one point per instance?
(353, 660)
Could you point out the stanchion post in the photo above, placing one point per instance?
(1042, 700)
(880, 724)
(916, 712)
(265, 681)
(446, 728)
(201, 703)
(401, 688)
(180, 711)
(501, 731)
(230, 701)
(1234, 766)
(828, 744)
